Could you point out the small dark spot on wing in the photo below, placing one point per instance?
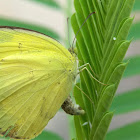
(44, 98)
(20, 45)
(17, 137)
(2, 59)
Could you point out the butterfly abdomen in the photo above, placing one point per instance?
(70, 108)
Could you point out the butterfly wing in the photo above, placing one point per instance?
(34, 81)
(33, 41)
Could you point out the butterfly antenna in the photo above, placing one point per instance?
(81, 27)
(68, 31)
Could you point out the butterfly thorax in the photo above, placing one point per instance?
(72, 67)
(73, 51)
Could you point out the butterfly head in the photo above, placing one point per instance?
(73, 51)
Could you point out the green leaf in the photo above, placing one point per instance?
(128, 132)
(79, 131)
(102, 108)
(80, 120)
(103, 126)
(71, 127)
(8, 22)
(107, 97)
(51, 3)
(48, 135)
(74, 139)
(122, 34)
(102, 43)
(126, 102)
(117, 73)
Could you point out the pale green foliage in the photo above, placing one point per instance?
(102, 43)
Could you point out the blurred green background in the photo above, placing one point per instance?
(50, 18)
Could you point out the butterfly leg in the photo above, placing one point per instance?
(87, 64)
(85, 68)
(70, 108)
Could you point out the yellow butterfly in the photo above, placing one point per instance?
(36, 77)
